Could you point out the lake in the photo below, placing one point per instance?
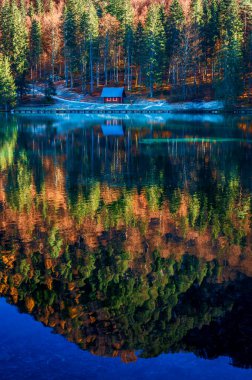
(126, 247)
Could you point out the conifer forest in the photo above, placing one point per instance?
(176, 49)
(125, 189)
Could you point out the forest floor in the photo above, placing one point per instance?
(68, 99)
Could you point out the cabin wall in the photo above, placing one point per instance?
(112, 100)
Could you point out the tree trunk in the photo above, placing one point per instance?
(106, 59)
(91, 65)
(65, 67)
(128, 70)
(53, 54)
(151, 81)
(98, 74)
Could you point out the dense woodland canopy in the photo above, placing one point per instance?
(181, 49)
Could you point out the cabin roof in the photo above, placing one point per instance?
(113, 92)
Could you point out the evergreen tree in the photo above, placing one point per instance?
(230, 55)
(195, 40)
(31, 11)
(70, 30)
(7, 84)
(190, 55)
(138, 50)
(19, 42)
(211, 45)
(127, 23)
(209, 27)
(39, 7)
(91, 29)
(35, 45)
(155, 46)
(123, 11)
(23, 8)
(196, 12)
(174, 26)
(246, 16)
(115, 8)
(6, 29)
(93, 26)
(14, 41)
(50, 89)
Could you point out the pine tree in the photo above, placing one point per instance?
(174, 26)
(7, 84)
(14, 41)
(83, 42)
(39, 7)
(22, 8)
(92, 31)
(155, 46)
(19, 42)
(196, 12)
(31, 11)
(209, 27)
(6, 29)
(246, 16)
(123, 11)
(19, 48)
(70, 31)
(93, 40)
(138, 50)
(194, 36)
(212, 43)
(35, 45)
(115, 8)
(127, 26)
(230, 55)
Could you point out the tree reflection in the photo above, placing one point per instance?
(123, 248)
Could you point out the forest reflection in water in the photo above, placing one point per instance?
(131, 236)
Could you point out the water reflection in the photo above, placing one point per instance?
(123, 245)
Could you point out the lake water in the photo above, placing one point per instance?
(126, 247)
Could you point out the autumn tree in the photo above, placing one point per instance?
(194, 48)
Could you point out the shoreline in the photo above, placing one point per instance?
(88, 111)
(64, 106)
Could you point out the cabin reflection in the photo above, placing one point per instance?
(113, 127)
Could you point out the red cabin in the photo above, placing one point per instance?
(113, 95)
